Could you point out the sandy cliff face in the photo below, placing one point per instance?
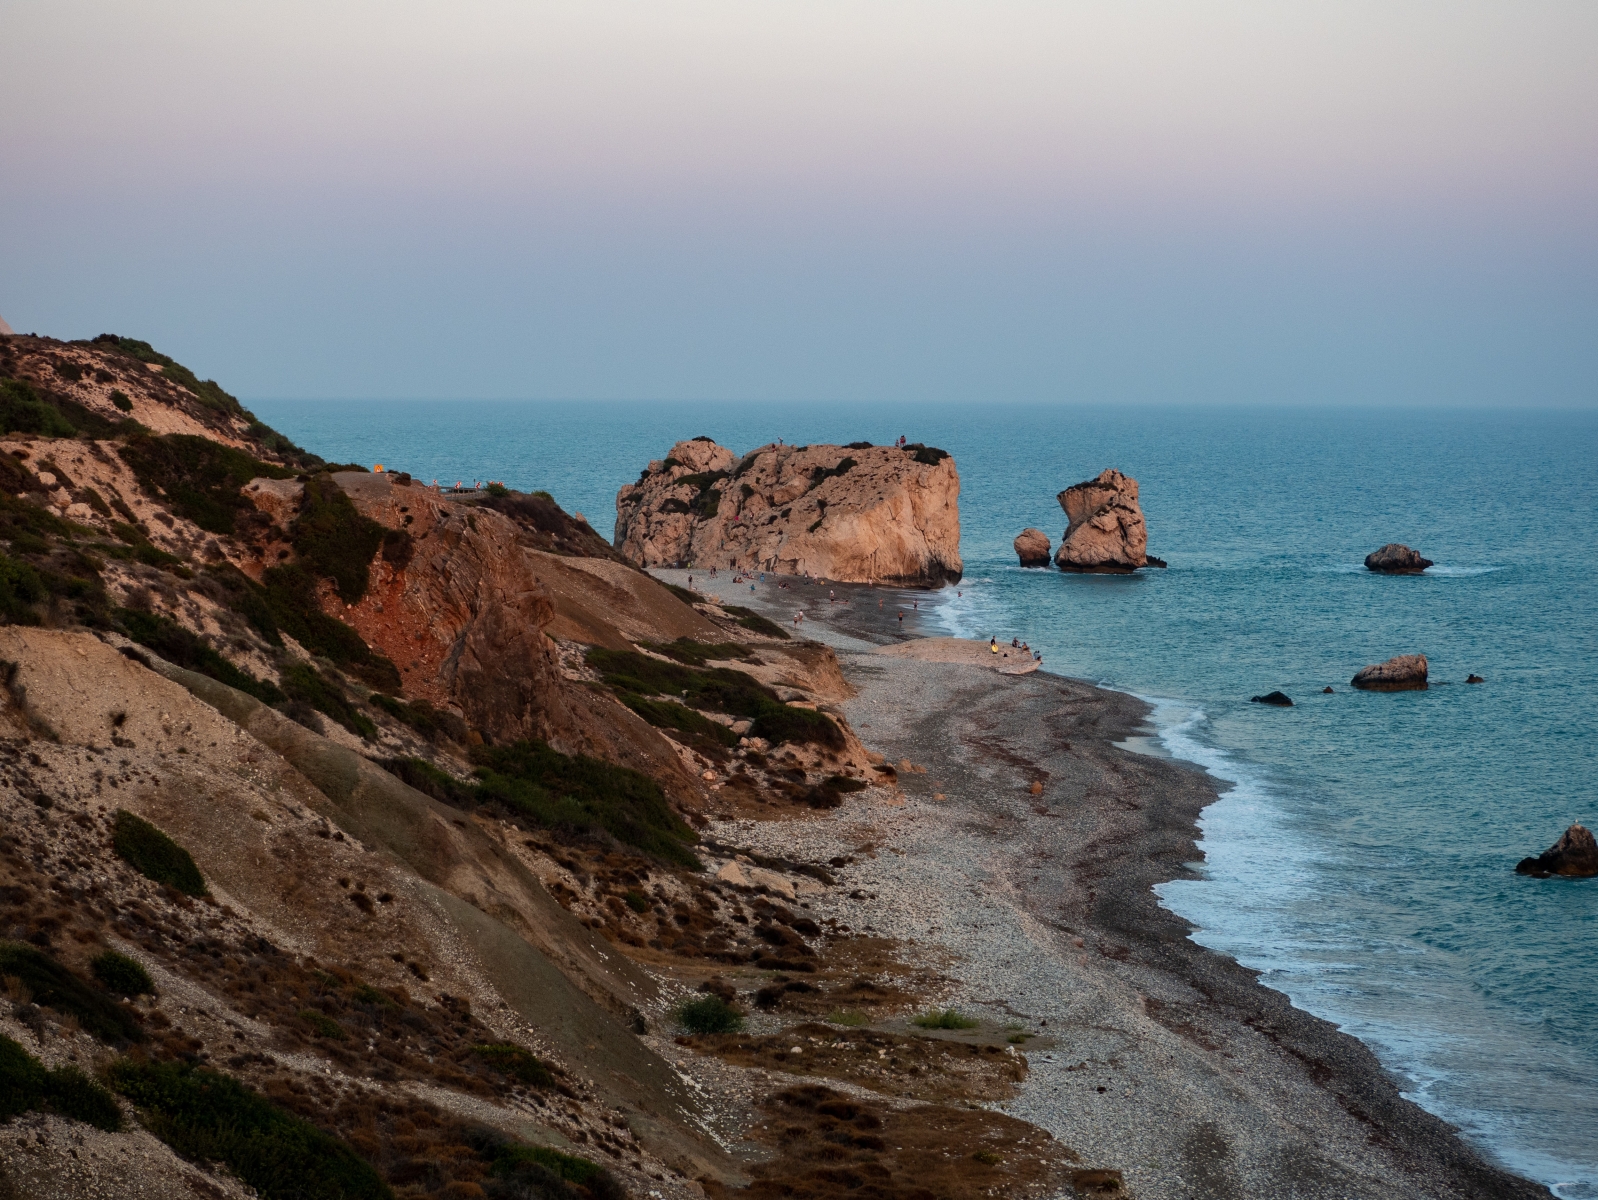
(857, 514)
(1106, 530)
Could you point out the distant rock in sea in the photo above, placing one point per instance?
(1326, 691)
(1032, 547)
(1575, 853)
(855, 514)
(1280, 699)
(1395, 559)
(1405, 673)
(1106, 530)
(1474, 679)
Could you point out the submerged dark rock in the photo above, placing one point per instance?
(1326, 691)
(1280, 699)
(1396, 559)
(1474, 679)
(1406, 672)
(1574, 854)
(1151, 561)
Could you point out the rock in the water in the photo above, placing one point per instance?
(1280, 699)
(1474, 679)
(1106, 532)
(1394, 559)
(1575, 853)
(1150, 561)
(855, 514)
(1405, 673)
(1326, 691)
(1032, 547)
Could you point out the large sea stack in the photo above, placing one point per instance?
(1106, 530)
(856, 514)
(1032, 548)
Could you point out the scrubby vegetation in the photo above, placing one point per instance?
(697, 654)
(23, 409)
(753, 621)
(821, 474)
(304, 683)
(208, 392)
(946, 1018)
(185, 649)
(668, 714)
(929, 456)
(334, 540)
(207, 1117)
(516, 1063)
(20, 589)
(154, 855)
(200, 479)
(430, 722)
(709, 1014)
(25, 1085)
(121, 975)
(719, 689)
(52, 985)
(521, 1172)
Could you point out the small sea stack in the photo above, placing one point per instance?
(1278, 699)
(1404, 673)
(1474, 679)
(1574, 854)
(1396, 559)
(1032, 547)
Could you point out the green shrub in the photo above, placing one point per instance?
(323, 1025)
(20, 589)
(305, 683)
(947, 1018)
(335, 540)
(208, 1117)
(185, 649)
(539, 1172)
(682, 593)
(25, 1085)
(667, 714)
(582, 795)
(709, 1014)
(521, 1065)
(25, 409)
(697, 654)
(750, 619)
(779, 723)
(207, 392)
(54, 986)
(201, 479)
(421, 716)
(636, 900)
(929, 456)
(120, 399)
(430, 781)
(121, 975)
(154, 855)
(290, 599)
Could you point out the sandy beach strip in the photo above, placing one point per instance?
(1151, 1053)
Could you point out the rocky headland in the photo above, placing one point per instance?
(853, 514)
(1106, 530)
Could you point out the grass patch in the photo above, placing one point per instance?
(121, 975)
(849, 1019)
(681, 593)
(200, 479)
(709, 1014)
(421, 716)
(209, 1117)
(515, 1062)
(697, 654)
(946, 1018)
(53, 986)
(25, 1085)
(184, 648)
(583, 795)
(154, 855)
(430, 781)
(751, 620)
(334, 540)
(667, 714)
(719, 689)
(304, 683)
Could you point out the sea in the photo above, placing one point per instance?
(1363, 858)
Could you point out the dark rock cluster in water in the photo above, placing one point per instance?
(1575, 853)
(1280, 699)
(1396, 559)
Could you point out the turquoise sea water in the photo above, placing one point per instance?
(1364, 859)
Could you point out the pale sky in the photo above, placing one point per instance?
(1370, 203)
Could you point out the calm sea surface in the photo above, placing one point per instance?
(1364, 859)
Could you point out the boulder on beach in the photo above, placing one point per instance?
(1106, 530)
(1280, 699)
(1395, 559)
(1405, 673)
(1575, 853)
(855, 514)
(1032, 547)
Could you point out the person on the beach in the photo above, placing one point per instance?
(1015, 644)
(993, 644)
(901, 616)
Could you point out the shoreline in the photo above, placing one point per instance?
(1168, 1060)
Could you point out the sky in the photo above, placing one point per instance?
(1128, 202)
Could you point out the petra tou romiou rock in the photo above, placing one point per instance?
(1405, 673)
(1575, 853)
(855, 514)
(1396, 559)
(1106, 530)
(1032, 547)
